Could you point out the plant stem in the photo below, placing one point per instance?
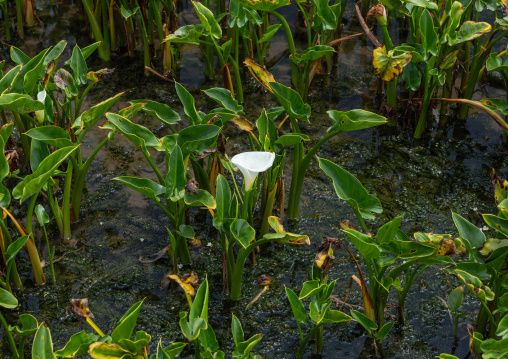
(66, 203)
(303, 343)
(10, 339)
(95, 327)
(30, 244)
(50, 255)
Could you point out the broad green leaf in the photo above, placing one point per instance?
(498, 223)
(139, 135)
(297, 307)
(78, 65)
(42, 347)
(161, 111)
(18, 56)
(192, 329)
(15, 247)
(502, 327)
(54, 53)
(29, 325)
(455, 298)
(141, 340)
(269, 33)
(188, 34)
(188, 104)
(8, 79)
(33, 183)
(450, 34)
(160, 354)
(186, 231)
(387, 232)
(364, 244)
(51, 135)
(335, 316)
(127, 13)
(311, 54)
(428, 34)
(470, 30)
(383, 332)
(197, 138)
(7, 300)
(349, 189)
(243, 349)
(127, 323)
(5, 195)
(175, 177)
(288, 140)
(223, 199)
(410, 249)
(38, 152)
(325, 15)
(475, 285)
(494, 349)
(202, 199)
(412, 76)
(65, 81)
(144, 186)
(242, 232)
(354, 120)
(291, 101)
(78, 344)
(207, 20)
(101, 350)
(309, 289)
(20, 103)
(428, 4)
(236, 329)
(388, 65)
(264, 5)
(88, 118)
(368, 324)
(468, 231)
(224, 98)
(199, 307)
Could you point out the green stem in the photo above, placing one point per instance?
(291, 43)
(30, 244)
(66, 203)
(7, 242)
(80, 101)
(6, 21)
(303, 343)
(10, 339)
(57, 213)
(50, 255)
(19, 17)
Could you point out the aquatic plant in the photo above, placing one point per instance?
(43, 219)
(391, 257)
(318, 292)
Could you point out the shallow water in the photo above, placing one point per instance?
(422, 180)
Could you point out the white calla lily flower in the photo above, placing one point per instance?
(41, 97)
(252, 163)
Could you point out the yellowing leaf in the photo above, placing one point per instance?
(264, 5)
(260, 73)
(243, 124)
(387, 65)
(186, 281)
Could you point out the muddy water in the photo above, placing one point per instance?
(422, 180)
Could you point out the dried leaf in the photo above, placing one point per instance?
(12, 159)
(158, 256)
(264, 279)
(192, 187)
(387, 65)
(186, 281)
(79, 307)
(260, 73)
(243, 124)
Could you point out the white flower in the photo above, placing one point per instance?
(41, 97)
(252, 163)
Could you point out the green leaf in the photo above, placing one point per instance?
(309, 289)
(264, 5)
(291, 101)
(186, 231)
(139, 135)
(38, 152)
(9, 78)
(412, 76)
(52, 135)
(101, 350)
(269, 33)
(468, 231)
(502, 327)
(192, 329)
(236, 329)
(389, 64)
(410, 249)
(354, 120)
(175, 177)
(188, 104)
(127, 323)
(368, 324)
(383, 332)
(335, 316)
(29, 325)
(5, 195)
(88, 118)
(297, 307)
(223, 201)
(127, 13)
(145, 186)
(498, 223)
(455, 298)
(42, 347)
(87, 51)
(207, 20)
(349, 189)
(18, 56)
(225, 99)
(470, 30)
(162, 112)
(475, 285)
(202, 199)
(428, 4)
(54, 53)
(141, 340)
(325, 15)
(364, 244)
(311, 54)
(242, 232)
(20, 103)
(188, 34)
(288, 140)
(243, 349)
(78, 65)
(78, 344)
(33, 183)
(197, 138)
(7, 300)
(428, 34)
(199, 307)
(387, 232)
(15, 247)
(65, 81)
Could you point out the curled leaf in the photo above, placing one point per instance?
(186, 281)
(387, 65)
(79, 307)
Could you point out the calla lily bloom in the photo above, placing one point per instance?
(41, 97)
(252, 163)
